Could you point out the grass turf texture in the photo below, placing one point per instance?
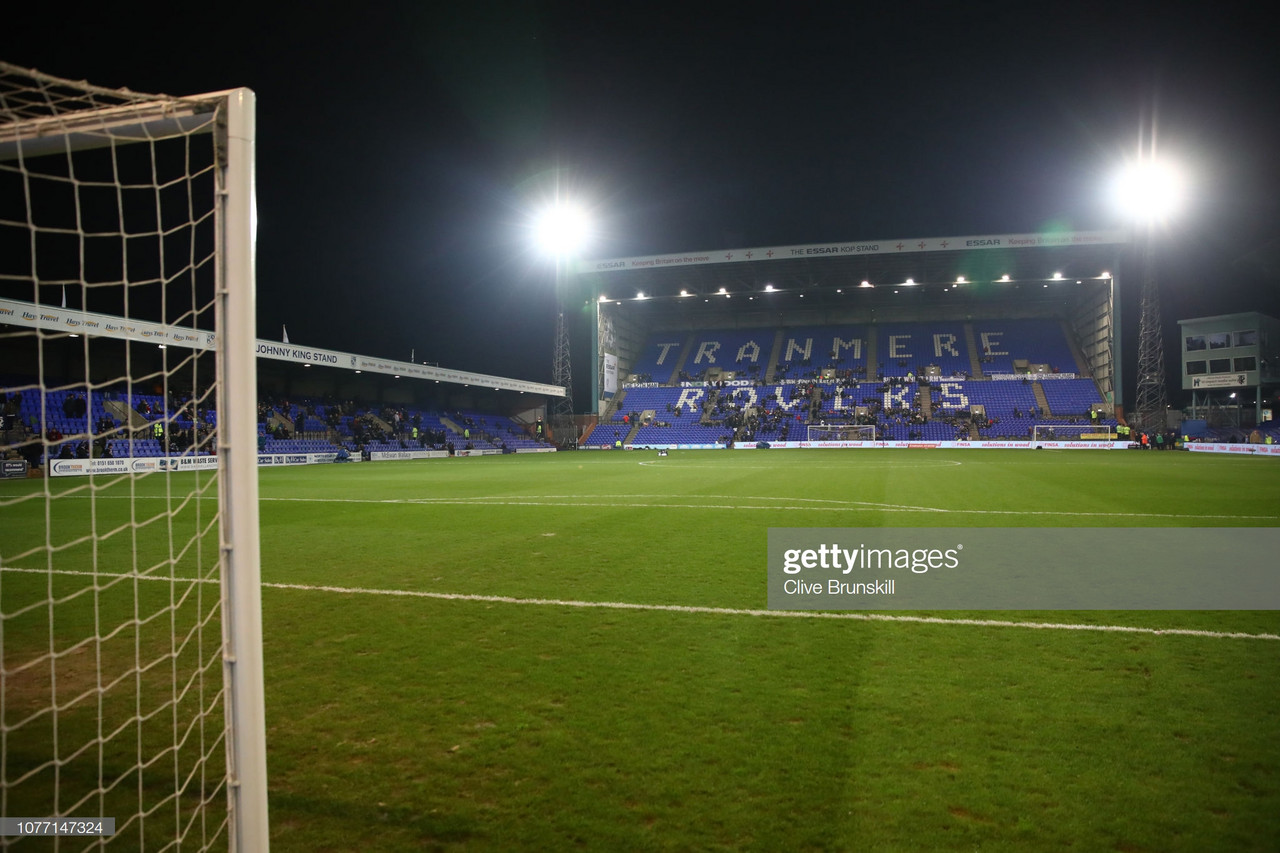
(420, 723)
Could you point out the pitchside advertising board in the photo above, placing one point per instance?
(13, 468)
(1022, 568)
(84, 467)
(160, 464)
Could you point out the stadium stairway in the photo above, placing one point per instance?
(615, 406)
(631, 436)
(772, 370)
(121, 412)
(684, 354)
(1041, 400)
(709, 405)
(873, 361)
(975, 363)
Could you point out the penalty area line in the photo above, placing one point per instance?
(782, 614)
(690, 608)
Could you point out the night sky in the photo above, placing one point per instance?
(402, 149)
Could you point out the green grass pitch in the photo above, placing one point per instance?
(400, 718)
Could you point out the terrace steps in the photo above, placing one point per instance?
(121, 412)
(1041, 400)
(971, 342)
(684, 354)
(873, 361)
(778, 338)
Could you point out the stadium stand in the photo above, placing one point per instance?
(909, 348)
(806, 351)
(1002, 344)
(899, 401)
(743, 351)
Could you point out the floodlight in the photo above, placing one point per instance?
(1057, 276)
(684, 292)
(640, 295)
(722, 290)
(866, 283)
(562, 229)
(910, 281)
(768, 288)
(1005, 277)
(960, 279)
(1149, 190)
(603, 298)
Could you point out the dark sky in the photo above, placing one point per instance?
(402, 148)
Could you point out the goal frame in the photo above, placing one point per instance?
(137, 119)
(1100, 433)
(841, 432)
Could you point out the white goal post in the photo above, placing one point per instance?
(131, 680)
(1072, 432)
(840, 432)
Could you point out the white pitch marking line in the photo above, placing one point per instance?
(937, 463)
(712, 611)
(777, 502)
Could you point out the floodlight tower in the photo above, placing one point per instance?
(560, 232)
(1150, 191)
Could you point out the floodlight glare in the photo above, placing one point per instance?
(561, 230)
(1149, 191)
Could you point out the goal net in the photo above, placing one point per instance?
(842, 432)
(1072, 432)
(130, 620)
